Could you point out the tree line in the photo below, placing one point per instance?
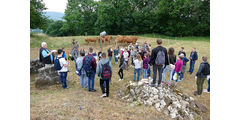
(166, 17)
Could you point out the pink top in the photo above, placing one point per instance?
(178, 65)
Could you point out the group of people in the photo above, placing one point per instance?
(142, 59)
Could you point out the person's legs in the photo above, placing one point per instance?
(122, 73)
(82, 80)
(164, 72)
(193, 64)
(159, 74)
(200, 82)
(170, 75)
(85, 79)
(64, 79)
(61, 78)
(119, 73)
(110, 58)
(149, 71)
(144, 73)
(93, 79)
(138, 72)
(107, 87)
(89, 83)
(116, 59)
(190, 66)
(154, 74)
(101, 85)
(208, 85)
(135, 70)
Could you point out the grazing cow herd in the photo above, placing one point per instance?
(109, 38)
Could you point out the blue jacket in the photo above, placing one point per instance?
(194, 56)
(185, 60)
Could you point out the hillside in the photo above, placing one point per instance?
(54, 15)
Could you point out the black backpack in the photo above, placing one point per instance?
(57, 65)
(206, 69)
(106, 71)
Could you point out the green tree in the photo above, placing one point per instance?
(37, 19)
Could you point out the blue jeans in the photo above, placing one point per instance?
(192, 63)
(91, 81)
(63, 78)
(145, 73)
(155, 69)
(170, 73)
(149, 71)
(116, 59)
(178, 75)
(208, 85)
(110, 58)
(83, 80)
(138, 72)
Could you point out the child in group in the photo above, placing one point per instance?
(184, 67)
(149, 65)
(64, 70)
(116, 54)
(81, 71)
(193, 57)
(145, 65)
(99, 54)
(178, 67)
(182, 51)
(132, 56)
(138, 66)
(122, 66)
(125, 55)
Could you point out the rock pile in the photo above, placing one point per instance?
(47, 76)
(35, 65)
(169, 101)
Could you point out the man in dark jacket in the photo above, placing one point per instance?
(201, 76)
(158, 67)
(193, 57)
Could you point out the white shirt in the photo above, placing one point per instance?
(125, 55)
(62, 62)
(138, 64)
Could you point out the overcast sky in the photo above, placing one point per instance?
(55, 5)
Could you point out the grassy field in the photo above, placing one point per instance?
(56, 103)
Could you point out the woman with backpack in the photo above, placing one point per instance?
(178, 67)
(80, 70)
(122, 66)
(170, 66)
(104, 71)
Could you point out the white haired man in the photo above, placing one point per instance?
(46, 56)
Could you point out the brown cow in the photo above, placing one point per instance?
(130, 39)
(119, 39)
(91, 39)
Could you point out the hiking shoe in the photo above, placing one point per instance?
(103, 95)
(159, 85)
(168, 84)
(152, 85)
(178, 80)
(93, 90)
(162, 83)
(119, 79)
(149, 78)
(206, 91)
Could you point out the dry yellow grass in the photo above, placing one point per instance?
(56, 103)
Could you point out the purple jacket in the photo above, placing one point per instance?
(178, 65)
(145, 63)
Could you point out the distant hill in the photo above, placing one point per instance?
(54, 15)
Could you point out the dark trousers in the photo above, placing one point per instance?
(120, 73)
(91, 79)
(103, 88)
(155, 69)
(208, 85)
(200, 82)
(63, 78)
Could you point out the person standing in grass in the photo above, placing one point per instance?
(182, 51)
(116, 54)
(110, 51)
(83, 76)
(133, 54)
(178, 67)
(122, 66)
(138, 67)
(169, 66)
(125, 55)
(149, 65)
(63, 72)
(158, 59)
(104, 71)
(145, 65)
(89, 65)
(75, 54)
(184, 67)
(201, 75)
(193, 57)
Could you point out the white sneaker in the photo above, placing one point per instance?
(206, 91)
(104, 95)
(120, 79)
(149, 78)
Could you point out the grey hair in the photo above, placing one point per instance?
(43, 44)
